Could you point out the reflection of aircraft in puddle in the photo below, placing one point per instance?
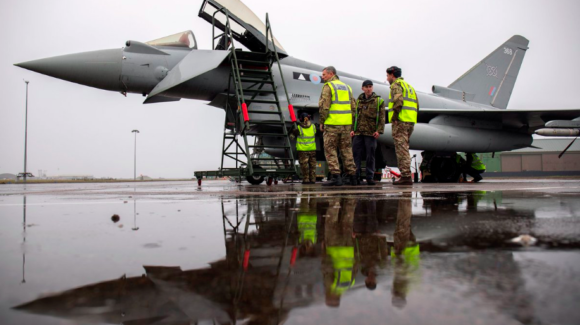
(250, 283)
(273, 265)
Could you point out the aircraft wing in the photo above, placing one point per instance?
(531, 119)
(187, 69)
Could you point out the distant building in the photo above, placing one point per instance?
(8, 176)
(71, 177)
(542, 161)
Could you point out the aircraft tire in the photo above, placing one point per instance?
(444, 170)
(255, 180)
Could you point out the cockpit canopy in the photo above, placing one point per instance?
(184, 39)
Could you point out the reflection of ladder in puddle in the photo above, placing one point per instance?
(245, 250)
(257, 113)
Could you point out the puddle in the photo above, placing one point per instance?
(425, 257)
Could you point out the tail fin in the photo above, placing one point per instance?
(492, 80)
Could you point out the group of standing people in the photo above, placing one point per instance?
(350, 124)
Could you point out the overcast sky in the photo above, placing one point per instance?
(75, 129)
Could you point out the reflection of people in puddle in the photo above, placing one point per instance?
(307, 228)
(405, 254)
(473, 199)
(339, 266)
(371, 247)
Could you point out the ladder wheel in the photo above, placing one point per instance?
(255, 180)
(199, 182)
(275, 182)
(269, 181)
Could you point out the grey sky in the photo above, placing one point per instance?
(74, 129)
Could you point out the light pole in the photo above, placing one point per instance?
(135, 160)
(25, 130)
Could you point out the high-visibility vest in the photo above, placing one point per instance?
(306, 141)
(340, 110)
(379, 103)
(307, 227)
(343, 264)
(410, 108)
(411, 255)
(477, 164)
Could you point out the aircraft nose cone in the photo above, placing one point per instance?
(99, 69)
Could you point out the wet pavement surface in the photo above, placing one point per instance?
(498, 252)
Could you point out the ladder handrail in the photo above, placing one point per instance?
(228, 33)
(269, 31)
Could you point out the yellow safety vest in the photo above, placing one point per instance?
(340, 110)
(411, 255)
(477, 164)
(379, 102)
(307, 227)
(306, 141)
(410, 108)
(343, 264)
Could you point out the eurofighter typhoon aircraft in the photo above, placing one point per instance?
(469, 115)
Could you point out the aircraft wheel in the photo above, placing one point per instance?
(255, 180)
(444, 169)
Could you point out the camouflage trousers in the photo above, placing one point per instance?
(338, 223)
(307, 161)
(403, 234)
(401, 133)
(337, 137)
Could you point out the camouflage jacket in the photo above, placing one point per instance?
(326, 100)
(397, 99)
(366, 115)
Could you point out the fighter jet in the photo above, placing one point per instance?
(469, 115)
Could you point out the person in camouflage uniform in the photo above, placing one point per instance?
(336, 136)
(307, 159)
(339, 262)
(401, 131)
(369, 123)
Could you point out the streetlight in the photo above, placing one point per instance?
(25, 130)
(135, 160)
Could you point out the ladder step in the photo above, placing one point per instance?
(250, 90)
(261, 72)
(253, 61)
(268, 146)
(271, 159)
(267, 122)
(263, 112)
(241, 55)
(265, 134)
(259, 81)
(263, 101)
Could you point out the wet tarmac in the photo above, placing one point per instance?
(498, 252)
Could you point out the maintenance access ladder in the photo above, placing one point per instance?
(252, 82)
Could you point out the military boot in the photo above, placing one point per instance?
(370, 181)
(336, 180)
(404, 181)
